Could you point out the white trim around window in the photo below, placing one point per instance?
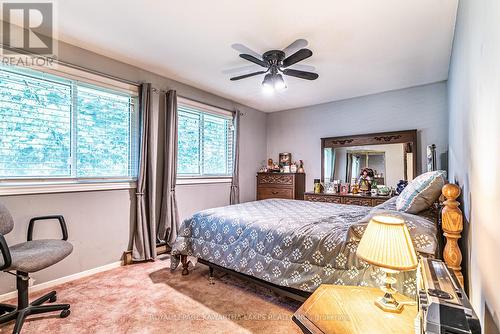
(204, 107)
(71, 73)
(202, 180)
(42, 187)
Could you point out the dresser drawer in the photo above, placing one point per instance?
(323, 198)
(276, 179)
(274, 192)
(377, 201)
(357, 201)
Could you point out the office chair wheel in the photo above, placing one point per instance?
(53, 299)
(65, 313)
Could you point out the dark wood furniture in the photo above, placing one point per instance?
(407, 137)
(281, 185)
(337, 309)
(353, 199)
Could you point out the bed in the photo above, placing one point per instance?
(294, 246)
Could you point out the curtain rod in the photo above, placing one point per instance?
(77, 67)
(102, 74)
(157, 91)
(210, 105)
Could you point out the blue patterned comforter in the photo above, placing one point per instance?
(293, 243)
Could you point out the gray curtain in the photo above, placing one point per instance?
(234, 197)
(144, 236)
(168, 222)
(157, 219)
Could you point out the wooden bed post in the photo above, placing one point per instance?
(452, 223)
(185, 265)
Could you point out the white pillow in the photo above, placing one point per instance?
(420, 193)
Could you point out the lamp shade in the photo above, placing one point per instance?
(386, 243)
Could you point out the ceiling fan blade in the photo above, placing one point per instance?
(245, 49)
(247, 75)
(303, 67)
(245, 69)
(296, 57)
(254, 60)
(301, 74)
(295, 46)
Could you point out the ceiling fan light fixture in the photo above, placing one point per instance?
(279, 82)
(273, 82)
(268, 83)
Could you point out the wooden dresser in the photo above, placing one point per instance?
(353, 199)
(281, 185)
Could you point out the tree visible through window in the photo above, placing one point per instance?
(54, 127)
(205, 142)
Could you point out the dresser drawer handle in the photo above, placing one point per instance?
(275, 192)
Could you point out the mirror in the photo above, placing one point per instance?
(344, 158)
(386, 161)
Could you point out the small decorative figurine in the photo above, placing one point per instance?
(270, 163)
(365, 180)
(301, 167)
(355, 188)
(344, 189)
(293, 168)
(401, 185)
(318, 187)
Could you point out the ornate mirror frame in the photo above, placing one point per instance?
(397, 137)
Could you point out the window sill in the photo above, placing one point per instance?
(187, 181)
(25, 188)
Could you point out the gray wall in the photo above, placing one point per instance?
(474, 139)
(99, 222)
(299, 130)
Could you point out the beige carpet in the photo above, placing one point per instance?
(148, 298)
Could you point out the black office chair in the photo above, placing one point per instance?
(29, 257)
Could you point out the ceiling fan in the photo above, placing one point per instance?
(277, 62)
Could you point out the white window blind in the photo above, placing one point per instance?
(52, 127)
(205, 142)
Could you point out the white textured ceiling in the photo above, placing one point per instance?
(360, 46)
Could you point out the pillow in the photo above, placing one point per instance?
(420, 193)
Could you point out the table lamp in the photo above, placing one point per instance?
(386, 243)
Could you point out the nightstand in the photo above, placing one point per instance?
(337, 309)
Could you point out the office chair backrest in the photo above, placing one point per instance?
(6, 221)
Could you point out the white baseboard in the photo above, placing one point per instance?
(61, 280)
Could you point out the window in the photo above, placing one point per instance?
(205, 141)
(53, 127)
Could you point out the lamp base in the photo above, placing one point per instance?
(389, 304)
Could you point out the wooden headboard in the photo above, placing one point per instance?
(452, 225)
